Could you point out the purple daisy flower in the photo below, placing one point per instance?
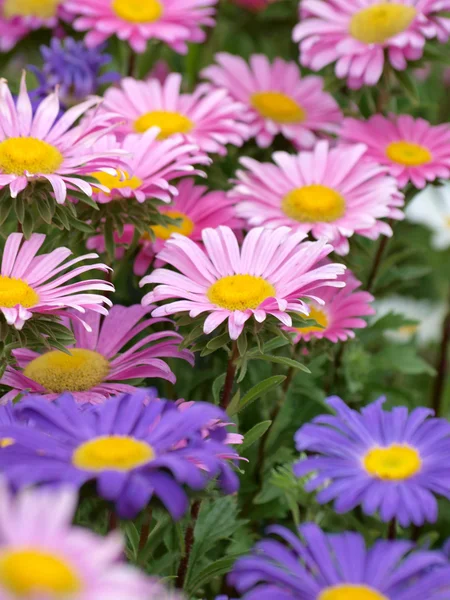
(135, 446)
(391, 462)
(317, 566)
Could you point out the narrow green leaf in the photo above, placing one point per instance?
(217, 387)
(254, 434)
(215, 569)
(283, 360)
(257, 391)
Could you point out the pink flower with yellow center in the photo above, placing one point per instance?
(38, 284)
(270, 274)
(330, 192)
(209, 119)
(412, 149)
(360, 35)
(174, 22)
(277, 98)
(47, 146)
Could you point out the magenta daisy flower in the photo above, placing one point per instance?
(37, 284)
(359, 35)
(209, 119)
(44, 556)
(330, 192)
(45, 145)
(412, 149)
(277, 98)
(269, 275)
(100, 361)
(174, 22)
(340, 314)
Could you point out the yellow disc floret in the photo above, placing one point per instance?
(351, 592)
(313, 203)
(380, 22)
(79, 371)
(22, 155)
(408, 154)
(16, 292)
(6, 441)
(278, 107)
(138, 11)
(186, 227)
(169, 122)
(239, 292)
(44, 9)
(117, 182)
(318, 315)
(393, 463)
(112, 452)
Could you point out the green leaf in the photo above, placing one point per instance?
(283, 360)
(401, 358)
(218, 341)
(242, 344)
(263, 387)
(408, 83)
(216, 569)
(254, 434)
(217, 387)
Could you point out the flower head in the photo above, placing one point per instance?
(98, 364)
(47, 146)
(174, 22)
(44, 556)
(391, 462)
(209, 119)
(330, 192)
(357, 35)
(314, 565)
(412, 149)
(431, 208)
(36, 284)
(269, 275)
(134, 446)
(277, 98)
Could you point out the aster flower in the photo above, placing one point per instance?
(392, 462)
(44, 556)
(431, 208)
(314, 565)
(340, 314)
(135, 449)
(412, 149)
(277, 98)
(209, 119)
(330, 192)
(98, 363)
(36, 284)
(267, 276)
(42, 145)
(174, 22)
(359, 35)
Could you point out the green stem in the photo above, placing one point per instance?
(188, 543)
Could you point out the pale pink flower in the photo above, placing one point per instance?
(330, 192)
(359, 35)
(277, 98)
(209, 119)
(412, 149)
(174, 22)
(37, 284)
(269, 275)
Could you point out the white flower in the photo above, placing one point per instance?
(431, 208)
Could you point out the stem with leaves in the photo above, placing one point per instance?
(188, 543)
(229, 378)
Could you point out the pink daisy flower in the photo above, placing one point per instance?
(37, 284)
(412, 149)
(277, 98)
(209, 119)
(98, 362)
(329, 192)
(194, 205)
(267, 276)
(47, 146)
(174, 22)
(340, 314)
(44, 556)
(359, 35)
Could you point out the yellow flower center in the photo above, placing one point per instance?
(5, 442)
(21, 155)
(392, 462)
(33, 573)
(408, 329)
(79, 371)
(186, 226)
(44, 9)
(313, 203)
(378, 23)
(112, 453)
(318, 315)
(278, 107)
(408, 154)
(169, 122)
(15, 292)
(239, 292)
(116, 182)
(351, 592)
(138, 11)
